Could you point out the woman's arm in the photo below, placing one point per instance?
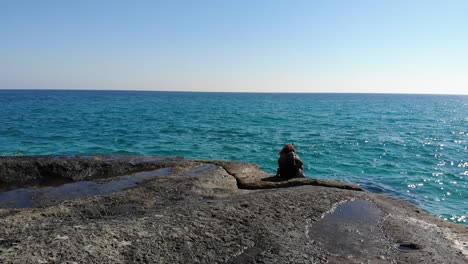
(298, 161)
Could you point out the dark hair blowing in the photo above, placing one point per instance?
(287, 148)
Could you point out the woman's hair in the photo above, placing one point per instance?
(287, 148)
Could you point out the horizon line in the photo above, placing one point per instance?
(227, 92)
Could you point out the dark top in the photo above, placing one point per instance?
(290, 165)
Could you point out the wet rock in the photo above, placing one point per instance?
(211, 212)
(17, 171)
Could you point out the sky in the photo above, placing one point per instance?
(397, 46)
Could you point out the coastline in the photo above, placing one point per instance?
(202, 211)
(414, 151)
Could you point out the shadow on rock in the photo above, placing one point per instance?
(275, 179)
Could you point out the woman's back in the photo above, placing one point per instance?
(289, 163)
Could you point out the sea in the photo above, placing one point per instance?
(414, 147)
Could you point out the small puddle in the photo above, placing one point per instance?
(409, 246)
(46, 196)
(352, 229)
(200, 170)
(359, 211)
(247, 255)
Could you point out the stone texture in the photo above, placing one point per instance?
(216, 212)
(249, 176)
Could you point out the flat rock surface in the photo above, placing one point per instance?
(131, 209)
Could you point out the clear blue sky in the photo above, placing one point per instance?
(277, 46)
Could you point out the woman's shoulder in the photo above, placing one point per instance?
(296, 156)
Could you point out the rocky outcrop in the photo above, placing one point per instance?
(194, 211)
(249, 176)
(43, 169)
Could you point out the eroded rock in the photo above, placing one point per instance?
(215, 212)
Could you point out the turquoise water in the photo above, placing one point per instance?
(410, 146)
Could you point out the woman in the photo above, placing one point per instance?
(289, 163)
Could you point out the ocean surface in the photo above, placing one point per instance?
(414, 147)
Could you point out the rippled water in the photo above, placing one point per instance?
(411, 146)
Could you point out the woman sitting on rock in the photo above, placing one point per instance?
(289, 163)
